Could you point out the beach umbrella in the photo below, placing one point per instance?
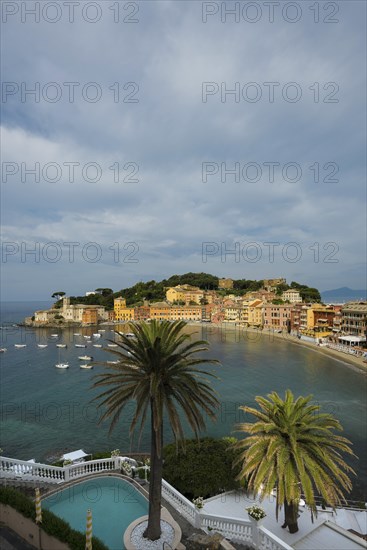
(88, 537)
(38, 507)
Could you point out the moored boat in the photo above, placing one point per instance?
(86, 366)
(112, 345)
(61, 345)
(42, 345)
(20, 345)
(3, 350)
(97, 345)
(80, 345)
(62, 365)
(85, 357)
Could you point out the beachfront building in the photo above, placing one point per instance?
(164, 311)
(45, 316)
(74, 312)
(354, 319)
(226, 284)
(90, 316)
(292, 296)
(277, 317)
(142, 313)
(255, 313)
(184, 293)
(122, 312)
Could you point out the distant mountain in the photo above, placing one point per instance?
(343, 294)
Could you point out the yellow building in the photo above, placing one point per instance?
(184, 293)
(163, 311)
(225, 283)
(255, 313)
(122, 312)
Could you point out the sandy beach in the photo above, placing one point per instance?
(350, 361)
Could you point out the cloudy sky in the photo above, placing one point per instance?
(144, 139)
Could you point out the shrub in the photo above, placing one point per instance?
(204, 469)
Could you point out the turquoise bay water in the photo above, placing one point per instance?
(114, 503)
(46, 411)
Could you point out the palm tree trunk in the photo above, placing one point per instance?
(290, 515)
(153, 531)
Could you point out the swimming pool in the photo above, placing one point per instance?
(115, 503)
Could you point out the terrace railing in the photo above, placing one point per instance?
(234, 529)
(179, 502)
(11, 468)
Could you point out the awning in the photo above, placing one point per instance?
(75, 455)
(354, 339)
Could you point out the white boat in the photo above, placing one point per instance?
(112, 362)
(85, 357)
(88, 337)
(20, 345)
(96, 335)
(61, 345)
(101, 330)
(86, 366)
(112, 345)
(42, 345)
(62, 365)
(97, 345)
(54, 335)
(3, 350)
(77, 334)
(80, 345)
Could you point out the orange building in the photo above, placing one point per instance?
(90, 316)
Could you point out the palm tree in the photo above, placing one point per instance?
(158, 370)
(292, 446)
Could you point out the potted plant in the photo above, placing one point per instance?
(256, 513)
(126, 468)
(115, 453)
(199, 502)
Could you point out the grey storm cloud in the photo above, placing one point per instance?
(172, 133)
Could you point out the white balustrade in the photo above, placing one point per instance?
(231, 528)
(269, 541)
(178, 501)
(12, 468)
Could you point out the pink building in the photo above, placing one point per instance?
(277, 316)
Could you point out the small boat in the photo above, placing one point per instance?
(80, 345)
(54, 335)
(20, 345)
(112, 345)
(101, 330)
(3, 350)
(61, 345)
(88, 337)
(97, 345)
(42, 346)
(130, 335)
(77, 334)
(85, 357)
(86, 366)
(96, 335)
(62, 365)
(112, 362)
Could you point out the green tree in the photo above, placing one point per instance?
(292, 446)
(58, 295)
(204, 469)
(158, 371)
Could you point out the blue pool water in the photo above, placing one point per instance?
(114, 502)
